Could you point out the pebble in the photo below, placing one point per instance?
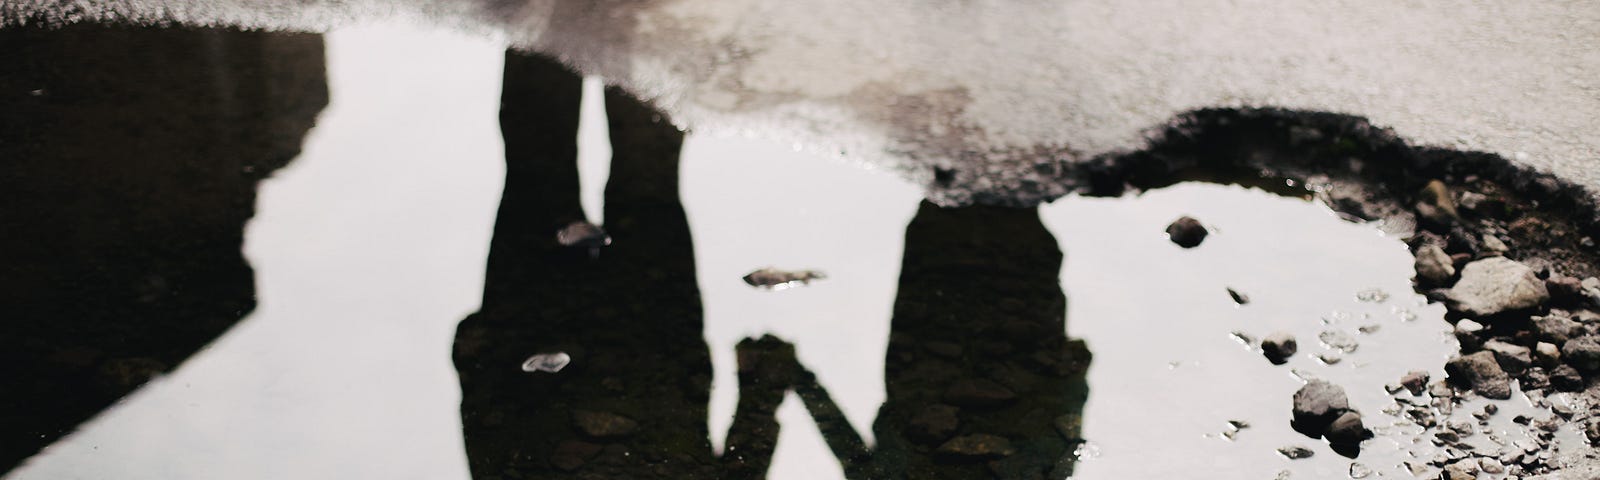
(583, 234)
(1316, 405)
(1582, 353)
(1358, 470)
(1546, 354)
(1415, 381)
(774, 279)
(546, 362)
(1347, 430)
(1566, 379)
(1512, 358)
(1278, 347)
(1238, 298)
(1436, 210)
(1556, 329)
(1186, 232)
(1482, 373)
(1295, 452)
(1493, 245)
(1494, 285)
(1433, 265)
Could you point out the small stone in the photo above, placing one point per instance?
(978, 393)
(1278, 347)
(1482, 373)
(1338, 340)
(1295, 452)
(977, 446)
(571, 455)
(1546, 354)
(770, 278)
(603, 425)
(1329, 358)
(1494, 285)
(1564, 289)
(1237, 297)
(1582, 353)
(1358, 470)
(1591, 290)
(1556, 329)
(584, 235)
(1186, 232)
(933, 424)
(1466, 328)
(1512, 358)
(1436, 210)
(546, 362)
(1462, 470)
(1316, 405)
(1566, 379)
(1491, 466)
(1369, 329)
(1347, 430)
(1471, 200)
(1493, 245)
(1415, 381)
(1433, 266)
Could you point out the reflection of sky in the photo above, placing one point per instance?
(369, 248)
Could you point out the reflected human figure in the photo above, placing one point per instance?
(982, 381)
(632, 401)
(129, 160)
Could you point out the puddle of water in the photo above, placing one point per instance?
(1159, 320)
(369, 249)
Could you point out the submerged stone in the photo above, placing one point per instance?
(583, 234)
(546, 362)
(774, 279)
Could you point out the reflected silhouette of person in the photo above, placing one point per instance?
(129, 160)
(631, 402)
(982, 381)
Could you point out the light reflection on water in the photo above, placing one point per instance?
(369, 248)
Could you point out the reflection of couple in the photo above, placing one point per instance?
(981, 379)
(131, 161)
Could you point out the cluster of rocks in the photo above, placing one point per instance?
(1467, 442)
(1537, 326)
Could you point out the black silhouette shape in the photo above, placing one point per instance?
(129, 159)
(632, 401)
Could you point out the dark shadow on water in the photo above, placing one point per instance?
(632, 402)
(982, 380)
(129, 159)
